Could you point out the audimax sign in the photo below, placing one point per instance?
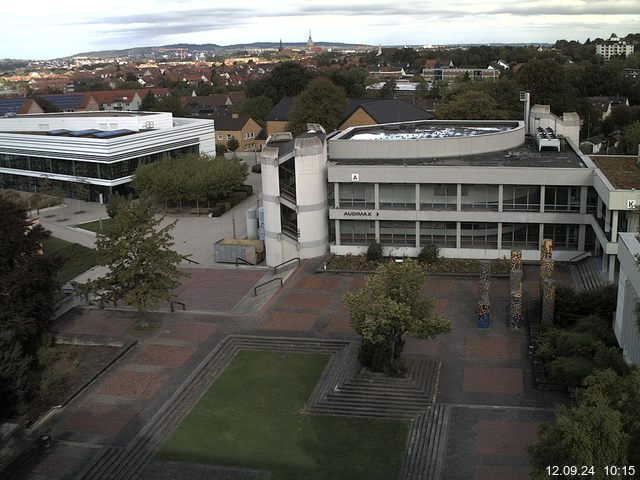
(360, 213)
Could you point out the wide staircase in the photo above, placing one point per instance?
(587, 274)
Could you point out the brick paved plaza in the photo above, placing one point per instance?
(485, 375)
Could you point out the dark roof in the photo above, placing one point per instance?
(281, 110)
(11, 105)
(382, 110)
(393, 110)
(228, 122)
(65, 101)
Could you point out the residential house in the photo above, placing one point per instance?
(18, 106)
(359, 111)
(242, 127)
(613, 47)
(606, 104)
(72, 102)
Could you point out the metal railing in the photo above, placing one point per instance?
(275, 269)
(172, 302)
(579, 257)
(255, 289)
(192, 261)
(242, 260)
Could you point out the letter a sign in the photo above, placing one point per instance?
(355, 177)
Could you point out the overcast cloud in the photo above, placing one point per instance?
(54, 29)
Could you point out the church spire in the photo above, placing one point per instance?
(309, 42)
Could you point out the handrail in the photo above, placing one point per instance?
(275, 269)
(579, 257)
(255, 289)
(184, 306)
(243, 261)
(192, 261)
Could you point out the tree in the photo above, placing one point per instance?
(630, 139)
(548, 84)
(143, 268)
(27, 292)
(27, 278)
(389, 306)
(388, 90)
(233, 144)
(149, 102)
(287, 79)
(470, 105)
(590, 434)
(352, 78)
(257, 108)
(321, 102)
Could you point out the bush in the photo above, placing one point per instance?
(546, 344)
(221, 149)
(217, 210)
(114, 204)
(572, 343)
(374, 252)
(597, 326)
(611, 357)
(429, 254)
(570, 306)
(257, 168)
(569, 370)
(52, 384)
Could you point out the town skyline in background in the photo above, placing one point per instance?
(362, 22)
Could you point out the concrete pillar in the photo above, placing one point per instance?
(418, 196)
(612, 268)
(582, 234)
(337, 228)
(541, 234)
(459, 199)
(417, 234)
(500, 200)
(607, 221)
(500, 235)
(377, 230)
(542, 196)
(599, 208)
(336, 194)
(376, 196)
(583, 199)
(614, 225)
(458, 231)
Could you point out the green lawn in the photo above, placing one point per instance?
(95, 225)
(252, 417)
(76, 259)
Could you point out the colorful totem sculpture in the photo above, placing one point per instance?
(547, 285)
(515, 277)
(548, 300)
(484, 305)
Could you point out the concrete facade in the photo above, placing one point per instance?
(626, 325)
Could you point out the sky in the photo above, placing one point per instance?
(44, 29)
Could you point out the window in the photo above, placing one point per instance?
(439, 196)
(565, 237)
(357, 195)
(562, 199)
(480, 197)
(357, 232)
(521, 198)
(398, 233)
(229, 137)
(220, 137)
(479, 235)
(440, 234)
(397, 196)
(520, 235)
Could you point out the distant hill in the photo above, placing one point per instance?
(209, 47)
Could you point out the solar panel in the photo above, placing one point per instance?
(59, 131)
(10, 105)
(113, 133)
(83, 133)
(64, 101)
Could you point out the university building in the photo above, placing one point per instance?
(475, 189)
(98, 149)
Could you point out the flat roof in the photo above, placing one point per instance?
(101, 113)
(622, 171)
(526, 155)
(426, 129)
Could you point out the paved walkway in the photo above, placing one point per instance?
(485, 377)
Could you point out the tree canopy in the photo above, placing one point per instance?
(27, 289)
(143, 267)
(189, 178)
(321, 102)
(287, 79)
(470, 105)
(390, 305)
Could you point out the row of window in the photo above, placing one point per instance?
(444, 234)
(77, 168)
(473, 197)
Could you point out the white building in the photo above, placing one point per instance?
(475, 189)
(99, 149)
(613, 47)
(626, 325)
